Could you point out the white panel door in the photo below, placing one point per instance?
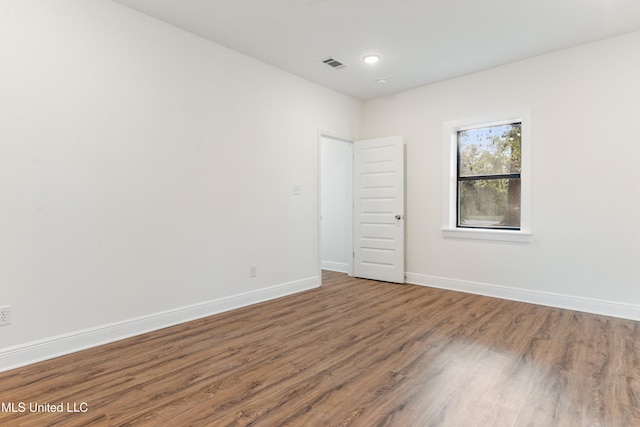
(379, 209)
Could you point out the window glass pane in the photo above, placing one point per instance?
(489, 150)
(489, 203)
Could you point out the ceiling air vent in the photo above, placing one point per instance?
(334, 63)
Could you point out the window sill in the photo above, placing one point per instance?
(496, 235)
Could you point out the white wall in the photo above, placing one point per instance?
(585, 103)
(336, 186)
(143, 169)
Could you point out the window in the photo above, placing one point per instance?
(488, 191)
(487, 183)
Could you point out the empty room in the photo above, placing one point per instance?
(319, 213)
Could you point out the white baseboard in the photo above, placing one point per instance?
(340, 267)
(48, 348)
(588, 305)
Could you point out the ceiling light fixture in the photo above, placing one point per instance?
(371, 58)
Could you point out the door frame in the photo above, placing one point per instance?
(349, 249)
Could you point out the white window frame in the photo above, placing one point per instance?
(450, 181)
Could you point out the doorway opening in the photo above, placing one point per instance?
(362, 207)
(336, 204)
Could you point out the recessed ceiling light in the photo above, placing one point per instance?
(371, 58)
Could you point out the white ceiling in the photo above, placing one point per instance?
(421, 41)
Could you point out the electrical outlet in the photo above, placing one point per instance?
(253, 271)
(5, 315)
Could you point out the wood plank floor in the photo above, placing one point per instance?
(352, 353)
